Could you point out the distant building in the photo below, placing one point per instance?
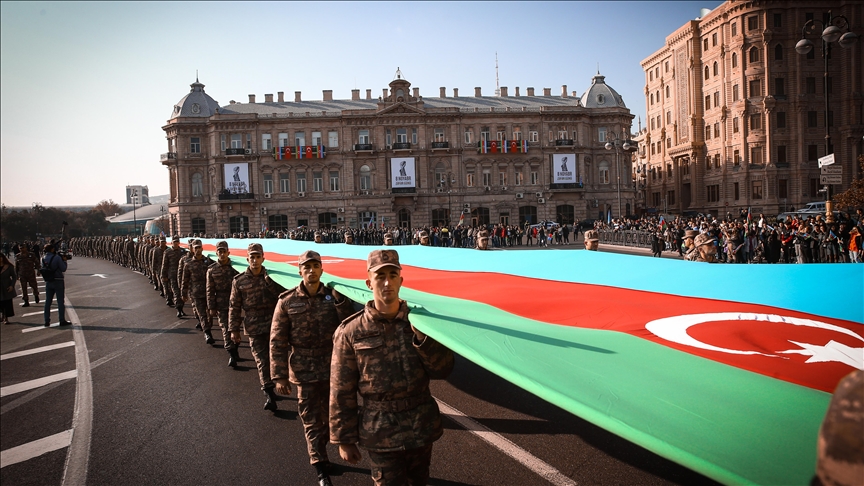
(141, 191)
(736, 117)
(399, 159)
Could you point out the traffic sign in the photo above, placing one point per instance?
(827, 160)
(832, 169)
(831, 179)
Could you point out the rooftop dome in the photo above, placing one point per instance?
(196, 104)
(601, 95)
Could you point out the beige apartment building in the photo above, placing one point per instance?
(736, 117)
(399, 159)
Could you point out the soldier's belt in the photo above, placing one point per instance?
(313, 352)
(399, 405)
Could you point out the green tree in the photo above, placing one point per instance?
(108, 208)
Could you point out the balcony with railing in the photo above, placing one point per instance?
(227, 195)
(167, 157)
(564, 143)
(439, 146)
(363, 147)
(235, 151)
(401, 146)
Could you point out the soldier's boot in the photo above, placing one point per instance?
(208, 338)
(234, 356)
(37, 298)
(26, 303)
(180, 313)
(270, 404)
(198, 325)
(169, 302)
(322, 470)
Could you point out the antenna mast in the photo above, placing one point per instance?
(497, 88)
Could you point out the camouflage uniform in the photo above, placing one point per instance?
(253, 299)
(170, 265)
(181, 265)
(26, 266)
(382, 361)
(195, 287)
(156, 266)
(302, 335)
(219, 280)
(840, 446)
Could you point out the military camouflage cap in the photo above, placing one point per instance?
(175, 238)
(196, 243)
(191, 241)
(691, 234)
(308, 255)
(162, 238)
(255, 248)
(704, 239)
(222, 245)
(382, 258)
(592, 235)
(839, 458)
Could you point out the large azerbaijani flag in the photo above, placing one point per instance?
(725, 369)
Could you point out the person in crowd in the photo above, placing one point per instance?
(219, 282)
(483, 240)
(194, 287)
(400, 419)
(8, 276)
(26, 265)
(55, 284)
(592, 240)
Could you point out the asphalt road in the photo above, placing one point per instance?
(154, 404)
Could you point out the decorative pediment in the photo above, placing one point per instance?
(402, 108)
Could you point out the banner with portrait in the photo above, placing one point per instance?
(402, 174)
(564, 169)
(237, 178)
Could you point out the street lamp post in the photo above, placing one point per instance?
(836, 29)
(620, 141)
(134, 198)
(37, 208)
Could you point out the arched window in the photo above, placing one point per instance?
(734, 60)
(365, 178)
(667, 92)
(716, 69)
(651, 97)
(199, 226)
(238, 224)
(754, 54)
(778, 52)
(480, 216)
(707, 72)
(197, 184)
(604, 173)
(440, 175)
(277, 222)
(326, 220)
(657, 95)
(440, 217)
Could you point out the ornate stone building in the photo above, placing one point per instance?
(736, 117)
(398, 159)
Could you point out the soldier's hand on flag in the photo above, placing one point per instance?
(420, 336)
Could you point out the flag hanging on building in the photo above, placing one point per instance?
(484, 148)
(523, 146)
(505, 147)
(461, 218)
(299, 152)
(494, 147)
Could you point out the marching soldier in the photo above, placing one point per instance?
(388, 239)
(690, 251)
(195, 287)
(254, 295)
(219, 279)
(301, 343)
(379, 355)
(592, 240)
(156, 265)
(180, 273)
(26, 266)
(483, 240)
(170, 265)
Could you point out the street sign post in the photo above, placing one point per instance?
(831, 179)
(832, 170)
(826, 160)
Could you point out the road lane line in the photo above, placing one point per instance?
(78, 454)
(29, 385)
(27, 352)
(35, 449)
(39, 328)
(53, 309)
(503, 444)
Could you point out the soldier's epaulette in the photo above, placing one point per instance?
(239, 275)
(351, 317)
(285, 294)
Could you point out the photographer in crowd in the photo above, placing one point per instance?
(54, 265)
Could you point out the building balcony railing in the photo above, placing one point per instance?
(227, 196)
(363, 147)
(235, 151)
(168, 156)
(401, 146)
(403, 190)
(564, 143)
(440, 145)
(502, 146)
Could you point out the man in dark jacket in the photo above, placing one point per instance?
(54, 284)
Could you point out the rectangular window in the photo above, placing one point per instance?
(487, 178)
(779, 87)
(811, 119)
(814, 187)
(655, 198)
(284, 183)
(601, 134)
(317, 181)
(299, 139)
(414, 136)
(517, 133)
(266, 142)
(534, 178)
(388, 137)
(283, 139)
(810, 85)
(736, 157)
(439, 135)
(501, 136)
(752, 22)
(755, 87)
(670, 197)
(778, 20)
(756, 155)
(249, 141)
(195, 145)
(669, 170)
(735, 93)
(562, 134)
(735, 125)
(333, 139)
(734, 29)
(716, 99)
(334, 181)
(533, 136)
(236, 141)
(520, 178)
(781, 154)
(713, 193)
(363, 136)
(316, 139)
(469, 179)
(484, 134)
(223, 143)
(830, 82)
(736, 191)
(782, 188)
(707, 102)
(502, 178)
(781, 119)
(755, 121)
(812, 153)
(268, 183)
(401, 135)
(714, 40)
(468, 135)
(757, 189)
(604, 175)
(708, 132)
(301, 182)
(830, 118)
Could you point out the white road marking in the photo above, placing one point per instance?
(501, 443)
(39, 328)
(53, 309)
(78, 455)
(36, 448)
(27, 352)
(29, 385)
(100, 275)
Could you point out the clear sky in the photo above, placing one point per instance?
(86, 87)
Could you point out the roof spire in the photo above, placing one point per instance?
(497, 87)
(398, 73)
(598, 68)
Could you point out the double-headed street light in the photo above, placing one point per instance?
(836, 29)
(620, 141)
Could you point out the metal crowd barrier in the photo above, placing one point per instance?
(631, 238)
